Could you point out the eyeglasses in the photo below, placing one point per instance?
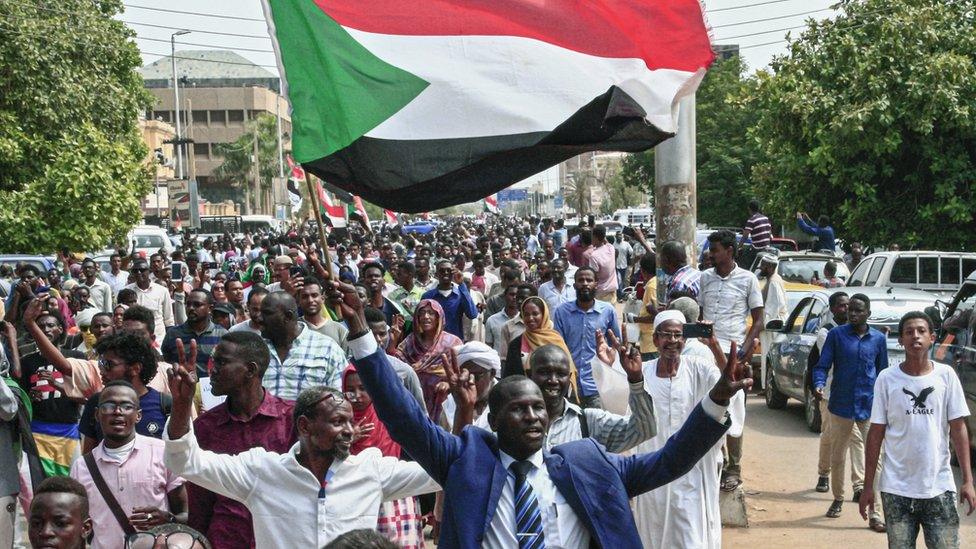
(111, 407)
(676, 336)
(173, 540)
(353, 395)
(107, 365)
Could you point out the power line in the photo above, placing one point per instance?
(747, 6)
(771, 18)
(232, 48)
(726, 38)
(200, 14)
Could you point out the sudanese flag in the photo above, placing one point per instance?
(421, 105)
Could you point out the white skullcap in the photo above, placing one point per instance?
(670, 314)
(769, 258)
(479, 353)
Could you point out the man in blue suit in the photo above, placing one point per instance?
(504, 491)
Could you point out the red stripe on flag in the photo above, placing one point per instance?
(666, 34)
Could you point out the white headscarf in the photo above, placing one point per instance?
(481, 354)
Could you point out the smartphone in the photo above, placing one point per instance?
(695, 329)
(296, 270)
(210, 265)
(177, 267)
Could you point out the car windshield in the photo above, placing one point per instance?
(149, 241)
(803, 269)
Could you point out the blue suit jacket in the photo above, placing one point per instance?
(595, 483)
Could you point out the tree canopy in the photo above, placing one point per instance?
(238, 168)
(72, 163)
(871, 119)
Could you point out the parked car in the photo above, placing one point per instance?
(957, 345)
(804, 266)
(787, 359)
(42, 263)
(148, 239)
(938, 272)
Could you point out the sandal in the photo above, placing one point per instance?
(729, 484)
(877, 525)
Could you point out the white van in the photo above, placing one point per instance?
(635, 217)
(932, 271)
(259, 224)
(149, 239)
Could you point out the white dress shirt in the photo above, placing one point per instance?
(553, 297)
(156, 298)
(283, 496)
(560, 525)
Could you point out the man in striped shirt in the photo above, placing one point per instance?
(757, 227)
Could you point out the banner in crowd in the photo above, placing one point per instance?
(422, 105)
(491, 204)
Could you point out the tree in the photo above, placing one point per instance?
(724, 154)
(237, 168)
(870, 120)
(619, 195)
(576, 191)
(73, 167)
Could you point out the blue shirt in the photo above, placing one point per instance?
(856, 361)
(825, 235)
(457, 303)
(578, 328)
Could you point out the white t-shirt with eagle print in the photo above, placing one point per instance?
(917, 411)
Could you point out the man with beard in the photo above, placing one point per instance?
(235, 296)
(199, 327)
(373, 279)
(253, 322)
(132, 468)
(250, 417)
(505, 488)
(577, 321)
(684, 513)
(549, 369)
(309, 495)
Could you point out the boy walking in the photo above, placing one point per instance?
(918, 408)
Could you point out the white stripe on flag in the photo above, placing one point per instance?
(502, 85)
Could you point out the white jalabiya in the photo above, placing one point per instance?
(685, 512)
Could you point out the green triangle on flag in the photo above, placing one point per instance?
(338, 89)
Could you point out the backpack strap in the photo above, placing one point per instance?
(584, 426)
(108, 496)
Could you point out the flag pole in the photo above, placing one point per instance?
(316, 207)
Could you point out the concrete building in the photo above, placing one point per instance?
(220, 92)
(160, 157)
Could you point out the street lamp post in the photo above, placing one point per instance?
(176, 100)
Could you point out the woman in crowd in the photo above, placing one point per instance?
(399, 520)
(538, 332)
(422, 349)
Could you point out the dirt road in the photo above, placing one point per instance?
(779, 472)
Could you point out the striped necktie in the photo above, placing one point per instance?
(528, 519)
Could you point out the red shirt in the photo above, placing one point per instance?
(226, 522)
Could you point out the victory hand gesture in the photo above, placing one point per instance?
(736, 376)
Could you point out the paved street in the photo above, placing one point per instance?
(779, 472)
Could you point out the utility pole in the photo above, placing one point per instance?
(176, 100)
(675, 189)
(256, 193)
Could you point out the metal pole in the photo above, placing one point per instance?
(675, 189)
(317, 208)
(176, 101)
(281, 152)
(257, 173)
(159, 213)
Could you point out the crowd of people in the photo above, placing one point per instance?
(475, 384)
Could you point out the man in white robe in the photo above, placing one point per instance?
(684, 513)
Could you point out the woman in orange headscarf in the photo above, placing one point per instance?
(538, 332)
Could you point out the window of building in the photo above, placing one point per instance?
(165, 116)
(201, 150)
(200, 117)
(218, 117)
(235, 116)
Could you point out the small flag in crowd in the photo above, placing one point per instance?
(335, 214)
(391, 217)
(491, 204)
(422, 105)
(295, 178)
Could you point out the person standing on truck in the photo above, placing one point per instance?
(821, 229)
(758, 228)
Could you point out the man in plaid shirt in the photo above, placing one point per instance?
(300, 357)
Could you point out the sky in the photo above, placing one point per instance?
(759, 27)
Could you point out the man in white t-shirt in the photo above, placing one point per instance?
(918, 408)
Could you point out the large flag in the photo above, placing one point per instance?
(421, 105)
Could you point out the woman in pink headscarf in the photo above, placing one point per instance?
(423, 348)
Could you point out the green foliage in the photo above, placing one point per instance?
(620, 195)
(725, 156)
(72, 163)
(237, 168)
(871, 119)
